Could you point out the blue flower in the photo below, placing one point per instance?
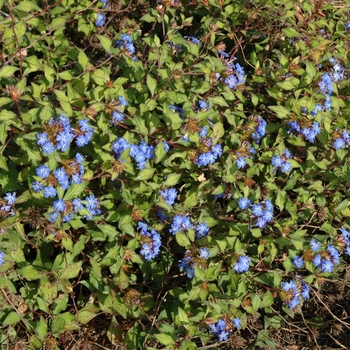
(10, 198)
(315, 245)
(257, 210)
(42, 138)
(305, 290)
(317, 260)
(267, 215)
(261, 222)
(202, 230)
(91, 202)
(242, 265)
(339, 143)
(237, 323)
(37, 186)
(166, 146)
(100, 20)
(298, 262)
(192, 39)
(204, 253)
(122, 101)
(118, 117)
(2, 257)
(204, 105)
(180, 223)
(187, 266)
(203, 132)
(177, 109)
(59, 205)
(50, 192)
(48, 147)
(216, 150)
(244, 203)
(286, 167)
(287, 153)
(241, 162)
(326, 266)
(277, 161)
(231, 81)
(77, 204)
(53, 216)
(169, 195)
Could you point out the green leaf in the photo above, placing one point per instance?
(74, 191)
(256, 302)
(151, 83)
(182, 239)
(87, 313)
(46, 113)
(3, 163)
(11, 318)
(291, 33)
(343, 205)
(280, 111)
(27, 6)
(71, 271)
(145, 174)
(267, 299)
(7, 71)
(218, 132)
(165, 339)
(172, 179)
(105, 42)
(30, 273)
(41, 328)
(289, 83)
(182, 316)
(83, 59)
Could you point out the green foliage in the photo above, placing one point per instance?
(145, 111)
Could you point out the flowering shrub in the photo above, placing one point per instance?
(178, 171)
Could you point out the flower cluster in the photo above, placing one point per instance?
(189, 262)
(169, 195)
(7, 204)
(67, 209)
(71, 172)
(260, 129)
(234, 74)
(293, 292)
(324, 260)
(150, 240)
(183, 223)
(308, 131)
(242, 265)
(222, 329)
(180, 223)
(141, 153)
(100, 20)
(212, 152)
(242, 152)
(59, 134)
(262, 213)
(346, 239)
(282, 162)
(127, 44)
(117, 115)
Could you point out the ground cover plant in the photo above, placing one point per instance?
(174, 174)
